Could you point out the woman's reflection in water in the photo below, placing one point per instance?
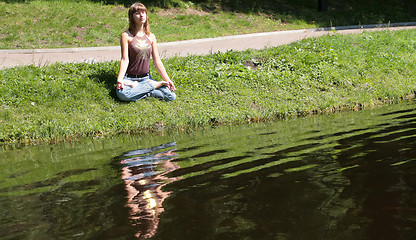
(144, 173)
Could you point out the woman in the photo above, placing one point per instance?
(138, 44)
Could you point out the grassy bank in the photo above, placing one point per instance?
(82, 23)
(331, 73)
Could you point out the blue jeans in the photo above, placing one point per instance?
(144, 89)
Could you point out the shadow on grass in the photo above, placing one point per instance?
(107, 77)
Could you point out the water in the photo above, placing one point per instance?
(340, 176)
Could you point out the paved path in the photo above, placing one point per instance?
(41, 57)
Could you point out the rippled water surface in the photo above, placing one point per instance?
(340, 176)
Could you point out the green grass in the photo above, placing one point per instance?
(326, 74)
(26, 24)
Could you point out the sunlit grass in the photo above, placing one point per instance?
(82, 23)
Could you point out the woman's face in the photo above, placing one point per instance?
(140, 17)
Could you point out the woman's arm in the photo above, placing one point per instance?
(158, 63)
(124, 61)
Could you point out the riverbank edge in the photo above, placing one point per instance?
(160, 129)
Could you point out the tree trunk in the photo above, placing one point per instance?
(322, 5)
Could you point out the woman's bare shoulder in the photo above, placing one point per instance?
(152, 37)
(126, 37)
(126, 34)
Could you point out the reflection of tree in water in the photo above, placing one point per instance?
(144, 173)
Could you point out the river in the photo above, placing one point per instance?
(349, 175)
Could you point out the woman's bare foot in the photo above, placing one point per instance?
(157, 85)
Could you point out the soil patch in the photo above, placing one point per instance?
(177, 11)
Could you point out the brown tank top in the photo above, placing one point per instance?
(140, 50)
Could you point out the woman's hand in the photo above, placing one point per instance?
(171, 86)
(120, 85)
